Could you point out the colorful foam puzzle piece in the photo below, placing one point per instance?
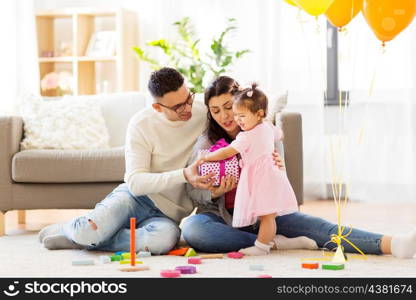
(264, 276)
(170, 273)
(178, 252)
(82, 262)
(194, 260)
(126, 255)
(256, 267)
(134, 269)
(310, 265)
(186, 269)
(104, 259)
(116, 257)
(126, 262)
(119, 253)
(190, 252)
(333, 266)
(144, 254)
(211, 256)
(236, 255)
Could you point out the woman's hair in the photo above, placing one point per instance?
(251, 98)
(219, 86)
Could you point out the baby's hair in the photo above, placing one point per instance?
(252, 98)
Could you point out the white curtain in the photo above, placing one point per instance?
(19, 74)
(379, 124)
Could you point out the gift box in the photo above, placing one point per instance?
(229, 166)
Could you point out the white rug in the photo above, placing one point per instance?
(23, 256)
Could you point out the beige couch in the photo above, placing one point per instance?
(77, 179)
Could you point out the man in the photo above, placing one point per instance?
(159, 142)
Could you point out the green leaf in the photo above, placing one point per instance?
(238, 54)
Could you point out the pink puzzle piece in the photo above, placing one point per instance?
(170, 273)
(264, 276)
(235, 255)
(194, 260)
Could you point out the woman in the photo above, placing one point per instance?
(210, 229)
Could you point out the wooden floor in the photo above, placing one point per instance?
(386, 217)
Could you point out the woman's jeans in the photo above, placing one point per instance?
(155, 231)
(208, 232)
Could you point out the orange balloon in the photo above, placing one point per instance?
(341, 12)
(387, 18)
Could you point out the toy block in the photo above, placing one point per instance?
(264, 276)
(194, 260)
(116, 257)
(211, 256)
(125, 262)
(190, 252)
(333, 266)
(310, 265)
(126, 255)
(170, 273)
(144, 254)
(134, 269)
(235, 255)
(82, 262)
(104, 259)
(178, 252)
(186, 269)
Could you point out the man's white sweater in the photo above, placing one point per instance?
(157, 151)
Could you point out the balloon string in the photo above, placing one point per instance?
(308, 54)
(370, 94)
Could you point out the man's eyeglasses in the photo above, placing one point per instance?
(180, 108)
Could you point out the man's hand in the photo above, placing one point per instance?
(197, 181)
(228, 183)
(278, 161)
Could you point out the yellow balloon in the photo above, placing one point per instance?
(341, 12)
(291, 2)
(314, 7)
(387, 18)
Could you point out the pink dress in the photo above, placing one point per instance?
(263, 188)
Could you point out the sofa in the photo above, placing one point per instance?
(78, 179)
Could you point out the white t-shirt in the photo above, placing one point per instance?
(157, 151)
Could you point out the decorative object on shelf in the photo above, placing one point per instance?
(65, 49)
(102, 43)
(47, 53)
(185, 55)
(61, 82)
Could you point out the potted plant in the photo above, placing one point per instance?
(185, 55)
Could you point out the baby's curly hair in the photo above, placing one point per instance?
(251, 97)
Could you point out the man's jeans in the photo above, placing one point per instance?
(155, 231)
(208, 232)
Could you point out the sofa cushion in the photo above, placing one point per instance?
(117, 109)
(57, 166)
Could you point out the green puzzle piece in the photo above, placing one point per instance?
(190, 252)
(333, 266)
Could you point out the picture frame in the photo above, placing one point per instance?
(102, 43)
